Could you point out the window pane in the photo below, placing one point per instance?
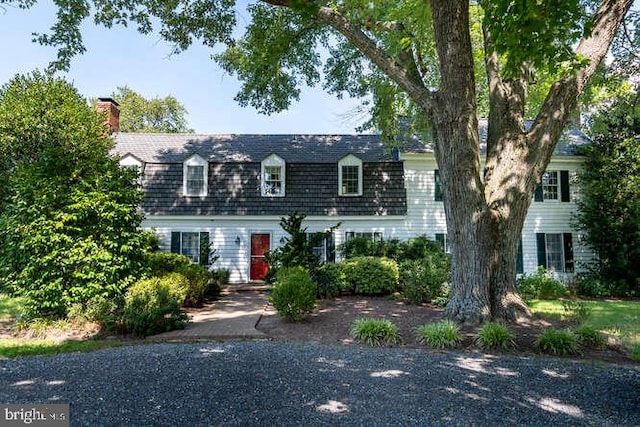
(191, 246)
(550, 185)
(350, 179)
(195, 180)
(555, 258)
(272, 180)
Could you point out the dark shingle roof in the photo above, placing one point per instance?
(570, 140)
(174, 148)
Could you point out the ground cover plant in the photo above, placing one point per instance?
(440, 335)
(375, 332)
(495, 336)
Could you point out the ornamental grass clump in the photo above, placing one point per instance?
(588, 336)
(558, 341)
(495, 336)
(374, 332)
(440, 335)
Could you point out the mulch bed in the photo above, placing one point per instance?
(330, 323)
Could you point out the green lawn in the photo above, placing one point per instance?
(618, 318)
(12, 347)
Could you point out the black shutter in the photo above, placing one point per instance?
(175, 242)
(520, 259)
(539, 194)
(440, 239)
(204, 248)
(567, 240)
(437, 180)
(564, 186)
(542, 250)
(330, 247)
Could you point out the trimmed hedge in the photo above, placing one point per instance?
(370, 275)
(294, 293)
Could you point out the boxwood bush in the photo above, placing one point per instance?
(330, 280)
(422, 280)
(152, 306)
(540, 285)
(294, 293)
(371, 276)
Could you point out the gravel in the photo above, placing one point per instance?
(265, 383)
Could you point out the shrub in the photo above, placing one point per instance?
(219, 278)
(495, 336)
(540, 285)
(371, 275)
(440, 302)
(160, 263)
(330, 280)
(440, 335)
(374, 332)
(558, 341)
(589, 336)
(591, 284)
(107, 312)
(198, 278)
(152, 307)
(576, 310)
(361, 246)
(294, 293)
(421, 247)
(421, 280)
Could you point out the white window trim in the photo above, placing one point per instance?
(557, 185)
(131, 161)
(272, 160)
(350, 160)
(195, 160)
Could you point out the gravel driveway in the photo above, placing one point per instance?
(264, 383)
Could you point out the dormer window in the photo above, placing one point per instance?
(350, 176)
(273, 169)
(195, 176)
(130, 161)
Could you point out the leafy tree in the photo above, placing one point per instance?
(412, 59)
(138, 114)
(69, 227)
(609, 204)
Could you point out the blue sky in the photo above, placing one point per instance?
(119, 57)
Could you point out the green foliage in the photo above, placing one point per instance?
(440, 302)
(330, 280)
(440, 335)
(422, 280)
(160, 263)
(69, 226)
(374, 332)
(107, 312)
(219, 278)
(495, 336)
(197, 278)
(152, 307)
(635, 353)
(558, 342)
(294, 293)
(371, 275)
(364, 246)
(540, 285)
(576, 310)
(588, 336)
(590, 283)
(297, 249)
(539, 32)
(10, 347)
(138, 114)
(609, 203)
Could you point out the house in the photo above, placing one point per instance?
(230, 192)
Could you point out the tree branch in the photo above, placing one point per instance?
(406, 79)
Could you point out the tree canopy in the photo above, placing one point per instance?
(139, 114)
(419, 60)
(69, 226)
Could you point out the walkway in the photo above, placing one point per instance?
(234, 315)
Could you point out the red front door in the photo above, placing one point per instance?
(260, 244)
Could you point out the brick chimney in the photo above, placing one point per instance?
(113, 113)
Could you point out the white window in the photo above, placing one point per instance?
(350, 176)
(554, 251)
(195, 176)
(376, 236)
(273, 171)
(550, 185)
(190, 246)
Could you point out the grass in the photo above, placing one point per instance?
(10, 309)
(558, 341)
(618, 318)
